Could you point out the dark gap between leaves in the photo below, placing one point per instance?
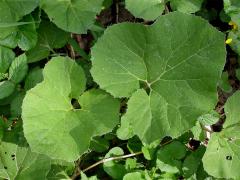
(75, 104)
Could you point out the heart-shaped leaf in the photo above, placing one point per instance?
(177, 62)
(52, 125)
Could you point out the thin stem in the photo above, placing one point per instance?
(107, 160)
(111, 159)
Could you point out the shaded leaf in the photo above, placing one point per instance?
(27, 35)
(224, 83)
(6, 89)
(6, 58)
(49, 38)
(18, 69)
(169, 157)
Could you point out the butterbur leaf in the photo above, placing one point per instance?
(18, 69)
(178, 70)
(146, 9)
(19, 163)
(73, 16)
(49, 119)
(186, 6)
(222, 157)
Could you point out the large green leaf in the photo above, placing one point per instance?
(178, 60)
(19, 163)
(74, 16)
(12, 11)
(222, 157)
(51, 124)
(146, 9)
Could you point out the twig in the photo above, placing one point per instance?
(107, 160)
(111, 159)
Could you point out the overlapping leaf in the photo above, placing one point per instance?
(73, 16)
(12, 11)
(178, 61)
(48, 39)
(19, 163)
(186, 6)
(51, 124)
(146, 9)
(222, 157)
